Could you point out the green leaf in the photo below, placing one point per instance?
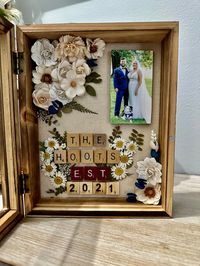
(140, 143)
(78, 107)
(140, 135)
(139, 149)
(59, 113)
(90, 90)
(140, 139)
(66, 109)
(97, 80)
(94, 75)
(133, 135)
(135, 131)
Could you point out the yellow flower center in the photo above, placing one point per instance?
(46, 156)
(119, 144)
(51, 144)
(131, 147)
(124, 158)
(150, 192)
(49, 168)
(58, 180)
(73, 84)
(119, 171)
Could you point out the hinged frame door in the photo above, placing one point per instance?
(10, 146)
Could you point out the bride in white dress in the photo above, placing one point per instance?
(139, 98)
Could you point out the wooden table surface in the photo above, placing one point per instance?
(70, 241)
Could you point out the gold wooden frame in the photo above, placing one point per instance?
(165, 33)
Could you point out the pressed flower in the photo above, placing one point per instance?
(118, 172)
(81, 68)
(149, 195)
(43, 53)
(63, 146)
(73, 85)
(150, 170)
(58, 180)
(49, 169)
(46, 156)
(70, 47)
(131, 147)
(51, 144)
(41, 96)
(57, 93)
(94, 48)
(126, 158)
(118, 144)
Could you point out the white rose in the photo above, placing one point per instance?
(41, 96)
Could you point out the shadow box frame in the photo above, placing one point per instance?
(22, 126)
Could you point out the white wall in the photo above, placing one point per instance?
(184, 11)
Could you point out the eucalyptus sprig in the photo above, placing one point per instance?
(137, 138)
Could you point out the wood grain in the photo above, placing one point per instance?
(112, 242)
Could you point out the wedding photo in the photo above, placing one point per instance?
(131, 86)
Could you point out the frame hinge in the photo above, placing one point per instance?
(18, 62)
(24, 184)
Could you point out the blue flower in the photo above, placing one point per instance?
(91, 62)
(131, 197)
(140, 183)
(54, 108)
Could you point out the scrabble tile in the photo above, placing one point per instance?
(99, 188)
(112, 188)
(77, 173)
(103, 173)
(85, 188)
(86, 140)
(90, 173)
(87, 156)
(100, 140)
(99, 156)
(113, 156)
(73, 156)
(73, 188)
(73, 140)
(60, 156)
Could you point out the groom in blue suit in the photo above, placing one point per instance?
(120, 81)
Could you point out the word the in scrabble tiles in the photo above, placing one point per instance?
(86, 156)
(86, 140)
(95, 188)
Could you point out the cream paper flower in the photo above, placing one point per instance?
(46, 156)
(149, 195)
(150, 170)
(118, 172)
(60, 72)
(81, 68)
(73, 85)
(41, 96)
(57, 93)
(70, 47)
(118, 144)
(131, 147)
(126, 158)
(94, 48)
(58, 180)
(49, 169)
(43, 53)
(42, 74)
(51, 144)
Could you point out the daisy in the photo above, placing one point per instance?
(49, 169)
(73, 85)
(118, 144)
(51, 144)
(131, 146)
(95, 48)
(149, 195)
(118, 172)
(58, 180)
(46, 157)
(126, 158)
(150, 170)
